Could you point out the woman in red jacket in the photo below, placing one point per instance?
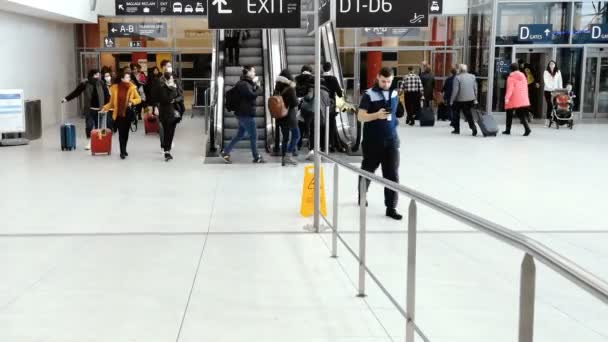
(516, 99)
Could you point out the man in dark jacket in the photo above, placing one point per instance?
(448, 87)
(335, 90)
(248, 89)
(428, 83)
(94, 98)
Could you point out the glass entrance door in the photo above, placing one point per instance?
(534, 62)
(596, 88)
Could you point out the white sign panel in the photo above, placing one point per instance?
(12, 111)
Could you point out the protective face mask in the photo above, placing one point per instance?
(108, 79)
(169, 69)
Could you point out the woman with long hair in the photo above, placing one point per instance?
(553, 80)
(516, 99)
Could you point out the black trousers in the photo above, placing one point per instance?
(309, 124)
(233, 50)
(334, 141)
(412, 105)
(168, 133)
(549, 104)
(465, 107)
(124, 127)
(91, 122)
(386, 157)
(522, 114)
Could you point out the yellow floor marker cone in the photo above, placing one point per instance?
(307, 207)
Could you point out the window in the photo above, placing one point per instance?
(511, 15)
(586, 14)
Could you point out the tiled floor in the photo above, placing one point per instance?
(99, 249)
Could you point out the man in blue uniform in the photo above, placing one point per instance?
(379, 110)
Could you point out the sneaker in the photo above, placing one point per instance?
(168, 156)
(122, 156)
(527, 133)
(295, 154)
(226, 157)
(392, 213)
(88, 147)
(475, 133)
(259, 160)
(455, 132)
(506, 133)
(288, 161)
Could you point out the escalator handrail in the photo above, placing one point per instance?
(268, 82)
(219, 91)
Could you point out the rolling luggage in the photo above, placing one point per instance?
(426, 116)
(486, 122)
(151, 125)
(101, 138)
(67, 132)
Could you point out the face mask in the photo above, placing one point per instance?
(169, 69)
(108, 79)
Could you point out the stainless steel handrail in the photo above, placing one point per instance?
(219, 93)
(532, 248)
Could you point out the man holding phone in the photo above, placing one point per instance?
(379, 111)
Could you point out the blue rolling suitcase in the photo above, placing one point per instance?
(68, 134)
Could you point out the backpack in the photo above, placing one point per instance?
(276, 106)
(232, 99)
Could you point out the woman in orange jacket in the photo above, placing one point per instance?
(124, 96)
(516, 99)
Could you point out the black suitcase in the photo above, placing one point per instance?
(426, 117)
(486, 122)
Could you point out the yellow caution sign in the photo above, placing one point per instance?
(307, 208)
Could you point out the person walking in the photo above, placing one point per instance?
(249, 90)
(448, 87)
(335, 90)
(428, 84)
(169, 115)
(92, 90)
(379, 110)
(552, 78)
(464, 97)
(107, 84)
(413, 93)
(285, 87)
(124, 96)
(233, 45)
(517, 101)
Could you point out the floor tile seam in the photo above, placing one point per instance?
(354, 286)
(198, 266)
(285, 232)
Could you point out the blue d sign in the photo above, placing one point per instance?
(599, 33)
(535, 33)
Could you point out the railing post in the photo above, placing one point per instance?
(327, 109)
(334, 235)
(412, 223)
(527, 296)
(362, 233)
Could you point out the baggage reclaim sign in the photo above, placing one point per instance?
(254, 14)
(161, 7)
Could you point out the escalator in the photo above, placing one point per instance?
(300, 48)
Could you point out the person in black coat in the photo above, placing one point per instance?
(335, 90)
(249, 90)
(289, 124)
(168, 113)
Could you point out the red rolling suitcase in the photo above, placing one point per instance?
(151, 124)
(101, 138)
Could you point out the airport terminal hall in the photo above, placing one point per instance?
(304, 171)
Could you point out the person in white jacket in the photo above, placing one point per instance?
(553, 80)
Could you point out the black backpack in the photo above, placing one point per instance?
(232, 99)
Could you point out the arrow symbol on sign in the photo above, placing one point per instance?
(114, 29)
(219, 4)
(547, 31)
(121, 7)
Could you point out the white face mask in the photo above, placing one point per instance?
(169, 69)
(108, 79)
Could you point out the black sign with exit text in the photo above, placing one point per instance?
(254, 14)
(382, 13)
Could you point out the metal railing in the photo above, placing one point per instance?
(533, 249)
(216, 139)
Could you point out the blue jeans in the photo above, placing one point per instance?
(246, 125)
(295, 137)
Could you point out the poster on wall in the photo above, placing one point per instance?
(12, 111)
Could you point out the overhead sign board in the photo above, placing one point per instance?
(12, 111)
(374, 32)
(599, 33)
(435, 6)
(382, 13)
(155, 30)
(254, 14)
(161, 7)
(535, 33)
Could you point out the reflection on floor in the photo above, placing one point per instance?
(99, 249)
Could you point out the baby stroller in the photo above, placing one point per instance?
(563, 106)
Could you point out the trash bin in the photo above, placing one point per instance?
(33, 120)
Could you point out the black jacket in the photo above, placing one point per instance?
(333, 85)
(304, 83)
(428, 83)
(168, 99)
(89, 88)
(248, 94)
(286, 89)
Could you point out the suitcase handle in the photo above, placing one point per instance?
(101, 114)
